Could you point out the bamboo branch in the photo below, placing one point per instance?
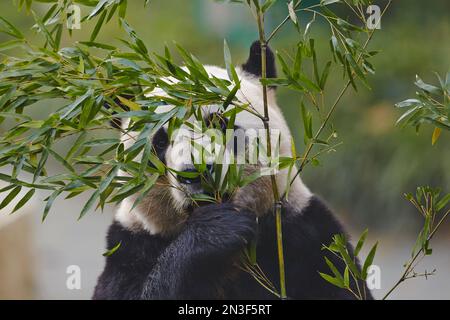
(275, 191)
(274, 32)
(409, 267)
(333, 107)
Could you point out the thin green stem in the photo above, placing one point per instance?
(333, 107)
(409, 266)
(277, 28)
(275, 191)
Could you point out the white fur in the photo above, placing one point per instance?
(133, 219)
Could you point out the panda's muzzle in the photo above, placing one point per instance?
(192, 176)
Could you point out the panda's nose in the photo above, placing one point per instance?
(191, 171)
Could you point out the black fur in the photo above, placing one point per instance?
(160, 142)
(253, 64)
(202, 261)
(117, 122)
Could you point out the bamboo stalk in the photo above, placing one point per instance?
(275, 191)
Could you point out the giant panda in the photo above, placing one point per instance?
(172, 249)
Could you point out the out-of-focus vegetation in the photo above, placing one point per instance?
(378, 161)
(367, 175)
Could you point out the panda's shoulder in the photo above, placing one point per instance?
(315, 219)
(131, 242)
(118, 233)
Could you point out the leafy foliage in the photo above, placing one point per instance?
(434, 209)
(431, 206)
(352, 279)
(432, 105)
(96, 88)
(93, 86)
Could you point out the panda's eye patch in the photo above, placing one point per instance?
(160, 140)
(216, 120)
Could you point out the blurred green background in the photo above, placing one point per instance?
(363, 181)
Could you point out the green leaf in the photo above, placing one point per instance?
(427, 87)
(14, 192)
(307, 121)
(102, 188)
(100, 142)
(292, 14)
(146, 157)
(316, 69)
(356, 68)
(127, 191)
(443, 202)
(88, 205)
(409, 103)
(252, 252)
(49, 203)
(11, 44)
(130, 104)
(46, 32)
(99, 8)
(109, 178)
(368, 262)
(78, 142)
(112, 250)
(7, 96)
(24, 200)
(346, 277)
(328, 2)
(333, 269)
(361, 242)
(343, 251)
(232, 75)
(41, 164)
(229, 99)
(123, 9)
(98, 26)
(148, 185)
(267, 5)
(324, 77)
(61, 160)
(337, 282)
(7, 27)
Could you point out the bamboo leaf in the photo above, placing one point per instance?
(49, 203)
(436, 135)
(368, 262)
(24, 200)
(98, 26)
(292, 14)
(10, 197)
(130, 104)
(334, 281)
(112, 250)
(361, 242)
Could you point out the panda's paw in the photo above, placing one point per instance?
(224, 225)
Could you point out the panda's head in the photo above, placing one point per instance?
(170, 201)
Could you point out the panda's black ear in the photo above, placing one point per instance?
(117, 122)
(253, 64)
